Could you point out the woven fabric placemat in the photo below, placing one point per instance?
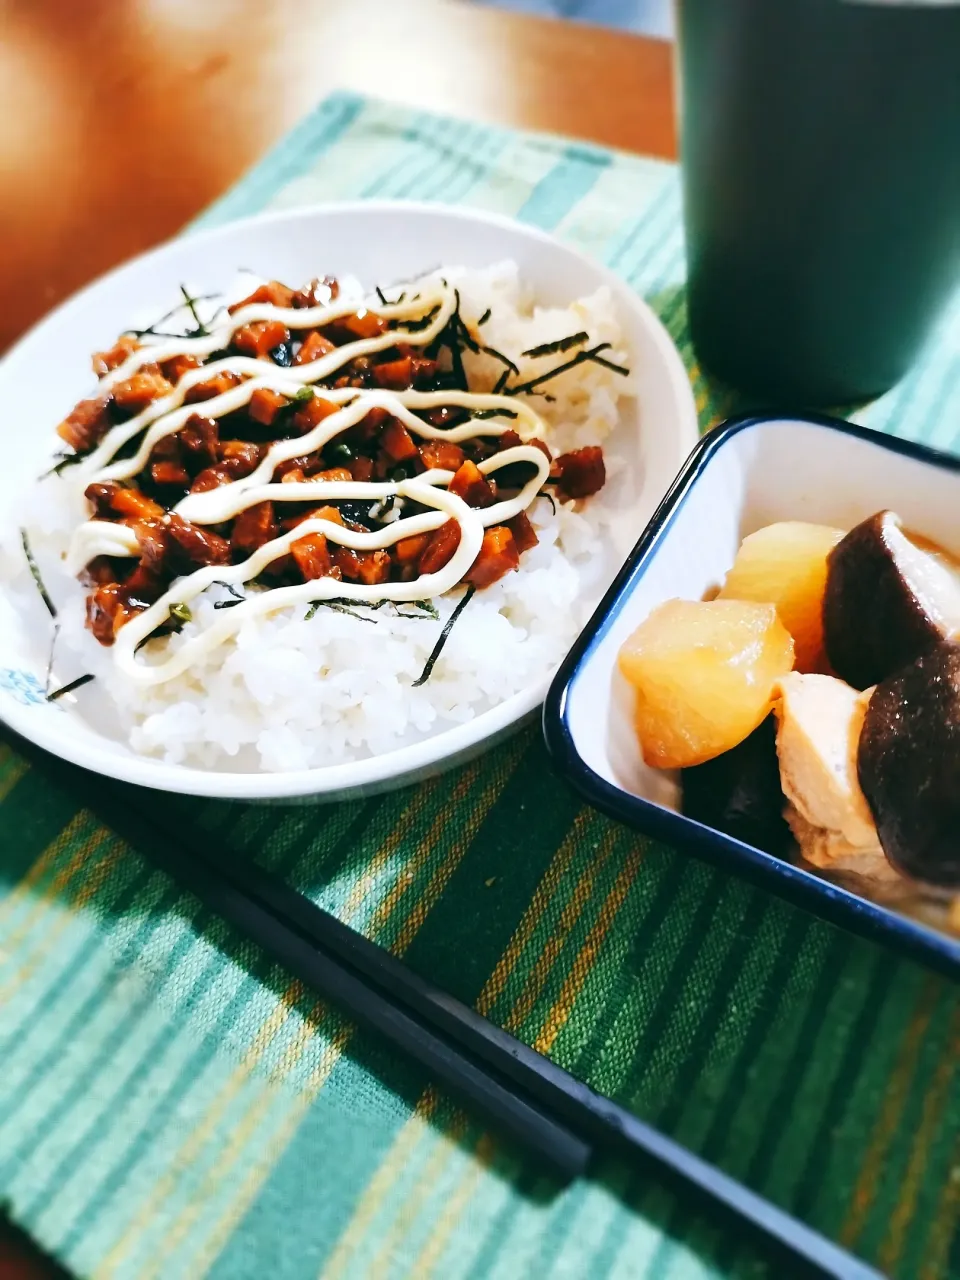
(171, 1104)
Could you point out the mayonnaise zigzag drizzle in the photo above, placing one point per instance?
(433, 308)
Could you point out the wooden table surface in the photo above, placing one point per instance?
(122, 119)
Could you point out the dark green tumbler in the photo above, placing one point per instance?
(820, 142)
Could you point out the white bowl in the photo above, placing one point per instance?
(742, 476)
(376, 241)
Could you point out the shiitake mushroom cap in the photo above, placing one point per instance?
(908, 761)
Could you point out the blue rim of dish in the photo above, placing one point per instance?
(837, 905)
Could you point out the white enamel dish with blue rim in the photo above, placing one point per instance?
(745, 474)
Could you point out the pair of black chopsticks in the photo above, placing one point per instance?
(520, 1093)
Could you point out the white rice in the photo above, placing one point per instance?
(289, 693)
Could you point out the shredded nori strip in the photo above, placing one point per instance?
(482, 415)
(457, 335)
(201, 330)
(428, 608)
(428, 611)
(64, 460)
(382, 296)
(451, 339)
(593, 354)
(35, 574)
(485, 317)
(608, 364)
(550, 498)
(238, 596)
(153, 332)
(498, 355)
(558, 347)
(460, 330)
(444, 634)
(425, 321)
(69, 688)
(501, 382)
(341, 606)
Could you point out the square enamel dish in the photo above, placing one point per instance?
(377, 242)
(743, 475)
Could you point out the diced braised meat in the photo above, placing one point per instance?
(174, 368)
(136, 392)
(397, 375)
(116, 501)
(259, 338)
(312, 413)
(318, 293)
(409, 550)
(197, 545)
(281, 571)
(524, 534)
(238, 459)
(311, 513)
(441, 455)
(242, 456)
(155, 541)
(299, 466)
(100, 497)
(199, 441)
(312, 555)
(362, 324)
(253, 527)
(265, 405)
(86, 425)
(397, 442)
(580, 473)
(102, 608)
(101, 570)
(347, 562)
(314, 347)
(141, 588)
(471, 486)
(446, 416)
(361, 469)
(216, 385)
(441, 547)
(112, 604)
(105, 362)
(374, 567)
(497, 556)
(169, 473)
(275, 293)
(212, 478)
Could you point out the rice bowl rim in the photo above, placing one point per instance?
(431, 755)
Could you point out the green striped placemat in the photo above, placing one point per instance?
(172, 1105)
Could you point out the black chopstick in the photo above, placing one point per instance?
(564, 1153)
(553, 1114)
